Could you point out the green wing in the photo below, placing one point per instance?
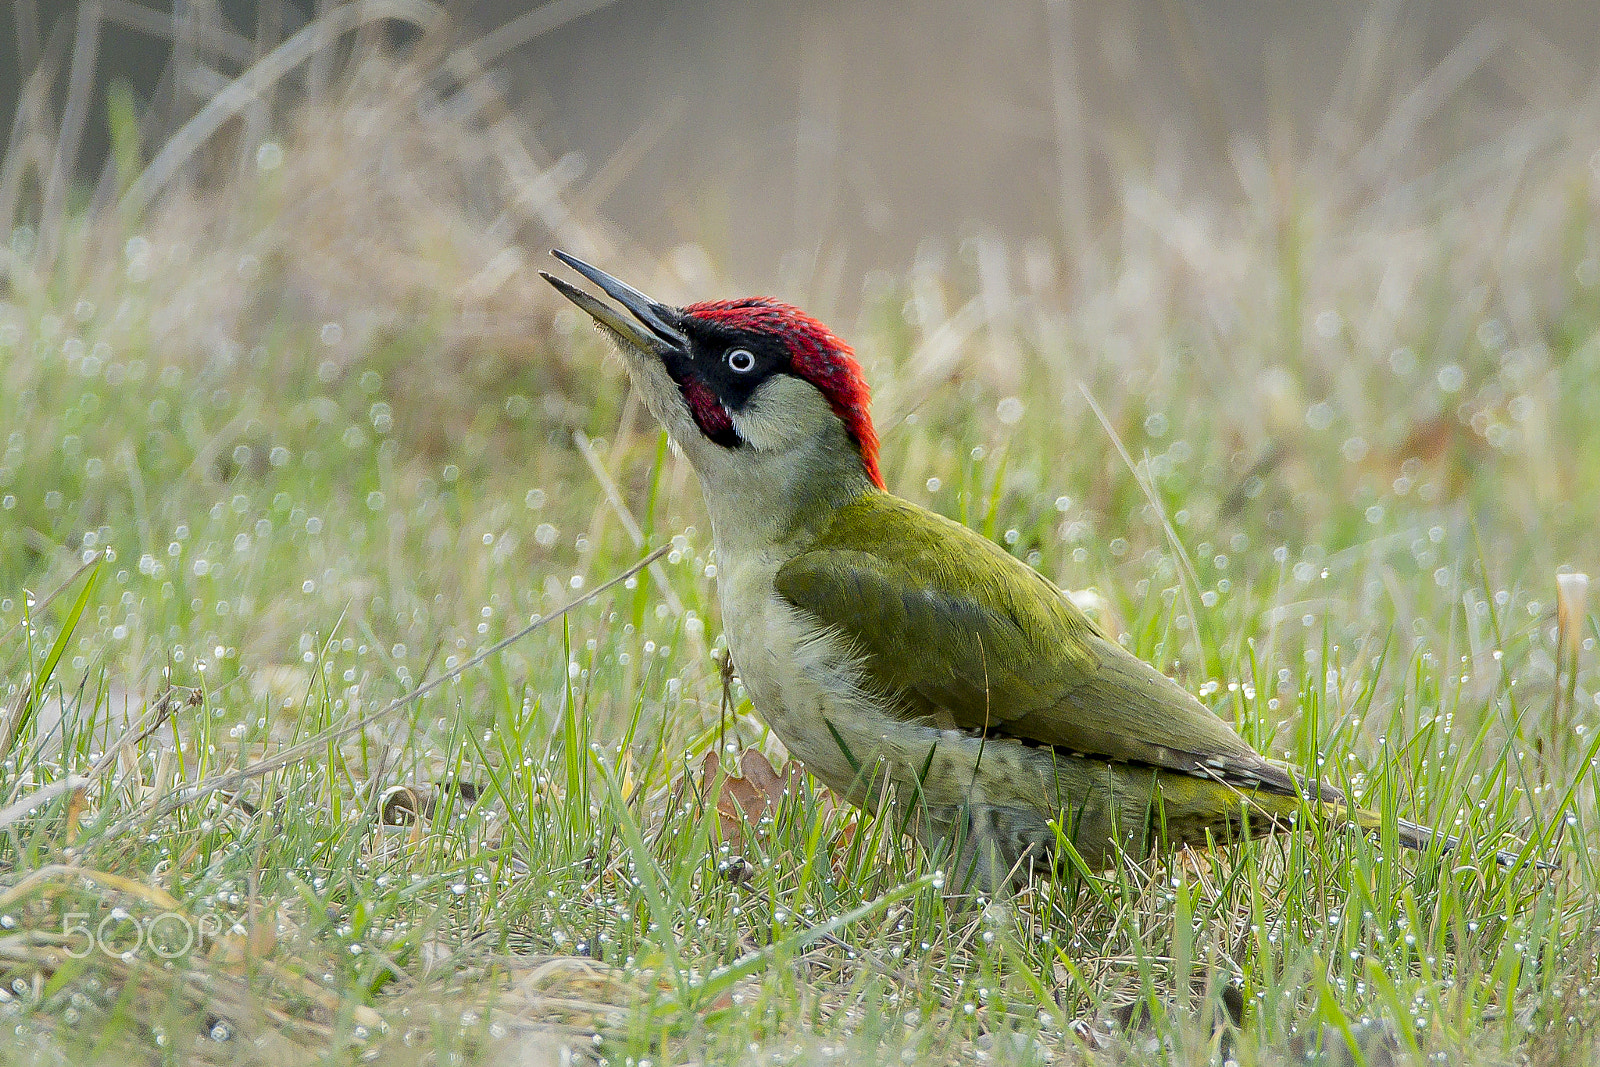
(959, 633)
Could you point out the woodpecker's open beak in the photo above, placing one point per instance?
(655, 331)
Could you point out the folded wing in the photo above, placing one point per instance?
(957, 631)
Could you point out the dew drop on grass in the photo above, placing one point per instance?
(1320, 416)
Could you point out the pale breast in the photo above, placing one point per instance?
(799, 677)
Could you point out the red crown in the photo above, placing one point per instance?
(816, 354)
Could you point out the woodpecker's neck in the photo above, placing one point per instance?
(763, 501)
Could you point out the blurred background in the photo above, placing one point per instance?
(860, 130)
(1334, 268)
(787, 137)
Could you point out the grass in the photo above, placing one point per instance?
(279, 453)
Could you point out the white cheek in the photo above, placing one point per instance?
(783, 411)
(766, 430)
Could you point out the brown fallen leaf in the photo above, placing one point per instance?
(756, 792)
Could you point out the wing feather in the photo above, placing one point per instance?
(959, 632)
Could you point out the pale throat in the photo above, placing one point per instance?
(777, 501)
(780, 488)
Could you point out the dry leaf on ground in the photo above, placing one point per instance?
(745, 800)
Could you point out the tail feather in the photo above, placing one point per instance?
(1412, 835)
(1333, 806)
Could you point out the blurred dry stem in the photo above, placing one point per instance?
(398, 197)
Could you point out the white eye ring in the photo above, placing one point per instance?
(741, 361)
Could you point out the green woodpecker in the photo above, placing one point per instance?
(899, 654)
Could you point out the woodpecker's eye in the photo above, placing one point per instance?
(741, 361)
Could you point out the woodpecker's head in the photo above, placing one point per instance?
(750, 387)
